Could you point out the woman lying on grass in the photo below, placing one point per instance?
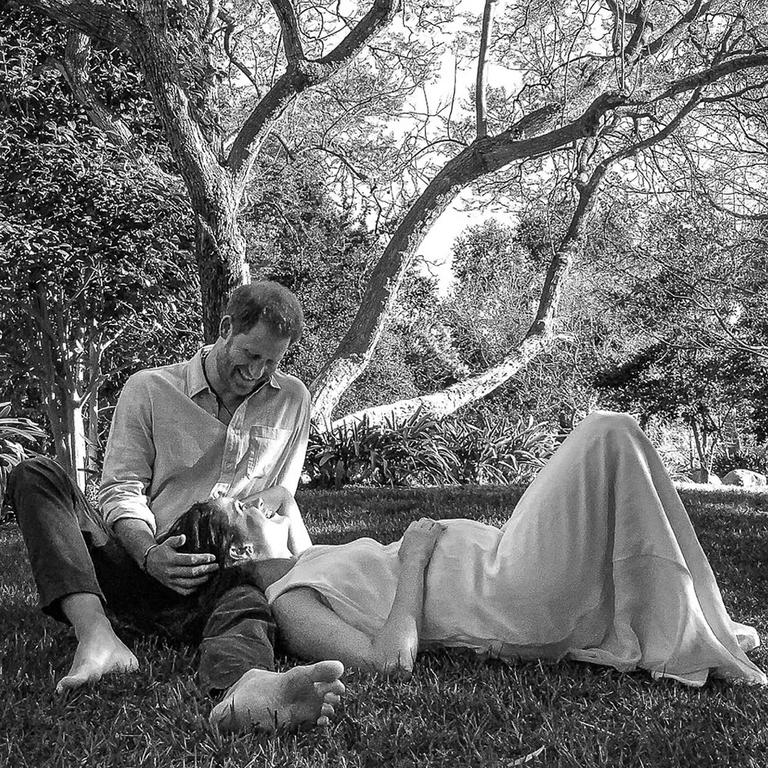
(598, 563)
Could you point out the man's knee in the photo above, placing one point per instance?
(36, 474)
(24, 473)
(33, 470)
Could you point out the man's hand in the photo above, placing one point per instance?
(182, 572)
(419, 540)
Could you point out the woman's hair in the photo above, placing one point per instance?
(269, 302)
(206, 530)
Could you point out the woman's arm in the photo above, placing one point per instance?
(314, 632)
(397, 644)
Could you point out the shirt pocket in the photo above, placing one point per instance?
(265, 445)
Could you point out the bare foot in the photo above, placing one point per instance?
(99, 652)
(266, 700)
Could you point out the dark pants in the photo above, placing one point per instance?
(71, 551)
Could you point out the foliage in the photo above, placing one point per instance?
(748, 457)
(299, 237)
(492, 449)
(16, 436)
(94, 261)
(428, 451)
(689, 297)
(494, 294)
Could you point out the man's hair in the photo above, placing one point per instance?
(269, 302)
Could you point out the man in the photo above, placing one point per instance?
(224, 422)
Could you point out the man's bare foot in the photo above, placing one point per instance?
(266, 700)
(99, 652)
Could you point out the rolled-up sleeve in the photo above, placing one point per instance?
(296, 448)
(130, 456)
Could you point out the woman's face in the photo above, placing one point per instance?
(253, 533)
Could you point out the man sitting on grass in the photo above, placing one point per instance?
(225, 422)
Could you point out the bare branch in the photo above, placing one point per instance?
(712, 74)
(75, 70)
(229, 29)
(289, 26)
(482, 68)
(300, 75)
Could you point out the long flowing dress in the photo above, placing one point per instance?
(599, 562)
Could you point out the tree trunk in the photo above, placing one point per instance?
(447, 401)
(700, 449)
(538, 338)
(76, 446)
(92, 440)
(221, 264)
(65, 416)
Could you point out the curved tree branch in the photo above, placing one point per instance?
(481, 157)
(100, 22)
(300, 75)
(289, 25)
(75, 71)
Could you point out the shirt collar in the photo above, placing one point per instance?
(196, 382)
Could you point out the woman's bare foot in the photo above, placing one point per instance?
(99, 652)
(266, 700)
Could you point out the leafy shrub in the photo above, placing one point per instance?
(14, 434)
(750, 457)
(497, 449)
(426, 450)
(385, 454)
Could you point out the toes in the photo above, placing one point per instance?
(336, 687)
(70, 682)
(327, 710)
(331, 698)
(327, 671)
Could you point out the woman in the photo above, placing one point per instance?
(598, 563)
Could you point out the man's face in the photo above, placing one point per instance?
(249, 358)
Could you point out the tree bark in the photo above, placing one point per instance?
(221, 263)
(481, 115)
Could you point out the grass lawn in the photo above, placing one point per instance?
(457, 710)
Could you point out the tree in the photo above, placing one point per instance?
(88, 260)
(496, 284)
(690, 295)
(587, 69)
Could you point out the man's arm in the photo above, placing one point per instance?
(129, 458)
(128, 464)
(181, 572)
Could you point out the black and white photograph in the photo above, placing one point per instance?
(384, 383)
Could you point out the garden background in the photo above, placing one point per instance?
(611, 158)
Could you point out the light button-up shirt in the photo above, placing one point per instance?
(167, 448)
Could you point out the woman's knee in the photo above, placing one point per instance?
(609, 424)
